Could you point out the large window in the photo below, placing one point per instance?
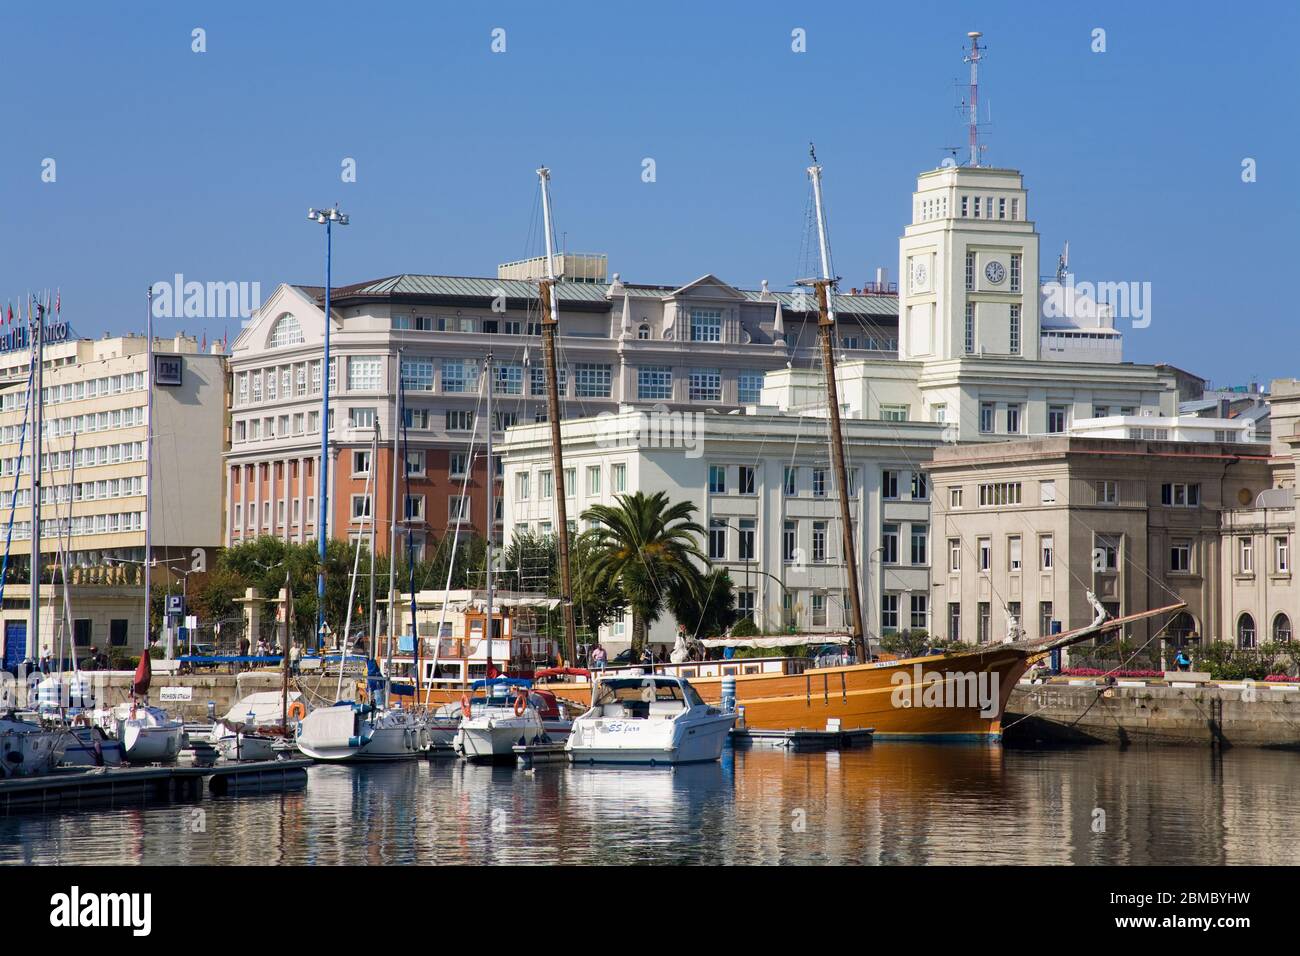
(889, 612)
(537, 380)
(285, 332)
(717, 539)
(459, 375)
(706, 385)
(364, 373)
(749, 386)
(1179, 495)
(654, 382)
(508, 379)
(706, 325)
(889, 544)
(592, 380)
(1281, 629)
(1246, 631)
(819, 542)
(920, 544)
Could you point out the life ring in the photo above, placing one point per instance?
(297, 710)
(521, 704)
(464, 705)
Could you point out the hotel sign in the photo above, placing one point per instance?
(167, 369)
(19, 337)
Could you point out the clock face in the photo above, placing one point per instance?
(994, 272)
(918, 273)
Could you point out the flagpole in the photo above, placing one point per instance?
(38, 363)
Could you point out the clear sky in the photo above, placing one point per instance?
(173, 161)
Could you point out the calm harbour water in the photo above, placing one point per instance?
(891, 803)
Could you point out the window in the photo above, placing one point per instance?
(999, 493)
(954, 621)
(361, 418)
(415, 463)
(1281, 629)
(983, 624)
(970, 328)
(706, 385)
(1014, 557)
(285, 332)
(706, 325)
(789, 541)
(939, 413)
(504, 420)
(1281, 555)
(889, 544)
(457, 463)
(1180, 556)
(745, 604)
(417, 375)
(954, 497)
(570, 482)
(414, 505)
(1056, 419)
(889, 484)
(1246, 631)
(984, 546)
(819, 610)
(1014, 332)
(745, 480)
(1013, 419)
(970, 272)
(545, 484)
(919, 611)
(749, 388)
(460, 420)
(415, 417)
(591, 380)
(361, 462)
(1105, 553)
(819, 542)
(893, 413)
(717, 539)
(889, 612)
(1245, 556)
(364, 373)
(1047, 492)
(593, 479)
(1002, 207)
(459, 375)
(920, 486)
(507, 379)
(1178, 495)
(965, 201)
(1015, 279)
(1044, 618)
(457, 508)
(521, 486)
(920, 542)
(654, 382)
(790, 481)
(954, 554)
(643, 332)
(360, 506)
(1046, 547)
(618, 477)
(987, 410)
(717, 479)
(819, 482)
(1107, 492)
(745, 535)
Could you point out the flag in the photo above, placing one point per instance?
(143, 675)
(58, 297)
(203, 346)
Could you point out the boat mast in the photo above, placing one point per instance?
(374, 512)
(491, 480)
(550, 318)
(148, 475)
(392, 526)
(38, 362)
(825, 334)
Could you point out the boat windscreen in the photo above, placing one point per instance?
(638, 689)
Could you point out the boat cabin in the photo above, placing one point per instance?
(644, 698)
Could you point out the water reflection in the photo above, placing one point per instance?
(894, 803)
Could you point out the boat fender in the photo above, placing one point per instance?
(521, 704)
(297, 710)
(406, 740)
(354, 741)
(464, 705)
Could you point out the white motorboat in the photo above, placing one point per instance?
(233, 743)
(27, 749)
(147, 734)
(353, 732)
(648, 719)
(509, 714)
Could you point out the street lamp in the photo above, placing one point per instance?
(326, 218)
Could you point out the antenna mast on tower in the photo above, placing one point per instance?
(974, 57)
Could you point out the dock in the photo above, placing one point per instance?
(801, 740)
(528, 755)
(75, 787)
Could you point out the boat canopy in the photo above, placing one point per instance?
(508, 681)
(783, 640)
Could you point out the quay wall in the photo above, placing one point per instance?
(1215, 715)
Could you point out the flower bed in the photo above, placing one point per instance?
(1098, 672)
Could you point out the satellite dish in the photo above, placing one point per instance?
(948, 163)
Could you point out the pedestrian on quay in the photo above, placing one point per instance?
(1182, 662)
(295, 658)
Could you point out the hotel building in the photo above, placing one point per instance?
(93, 489)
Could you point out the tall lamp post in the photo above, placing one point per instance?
(326, 218)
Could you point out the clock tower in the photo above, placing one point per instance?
(968, 268)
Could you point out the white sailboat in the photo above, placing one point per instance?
(27, 749)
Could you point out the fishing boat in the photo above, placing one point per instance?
(648, 719)
(508, 713)
(27, 749)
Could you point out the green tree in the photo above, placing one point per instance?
(645, 547)
(709, 609)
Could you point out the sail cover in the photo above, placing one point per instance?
(329, 727)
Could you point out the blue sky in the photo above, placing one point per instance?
(172, 161)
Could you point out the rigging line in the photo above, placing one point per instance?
(18, 470)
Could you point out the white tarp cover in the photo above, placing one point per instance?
(784, 640)
(265, 704)
(328, 727)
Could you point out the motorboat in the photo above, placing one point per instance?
(648, 719)
(350, 731)
(27, 749)
(233, 742)
(509, 713)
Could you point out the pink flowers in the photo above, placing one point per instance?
(1097, 672)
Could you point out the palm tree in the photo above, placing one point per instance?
(646, 548)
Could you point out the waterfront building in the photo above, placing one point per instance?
(93, 499)
(704, 345)
(1026, 528)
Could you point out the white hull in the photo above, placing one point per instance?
(601, 740)
(390, 736)
(27, 753)
(150, 744)
(246, 747)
